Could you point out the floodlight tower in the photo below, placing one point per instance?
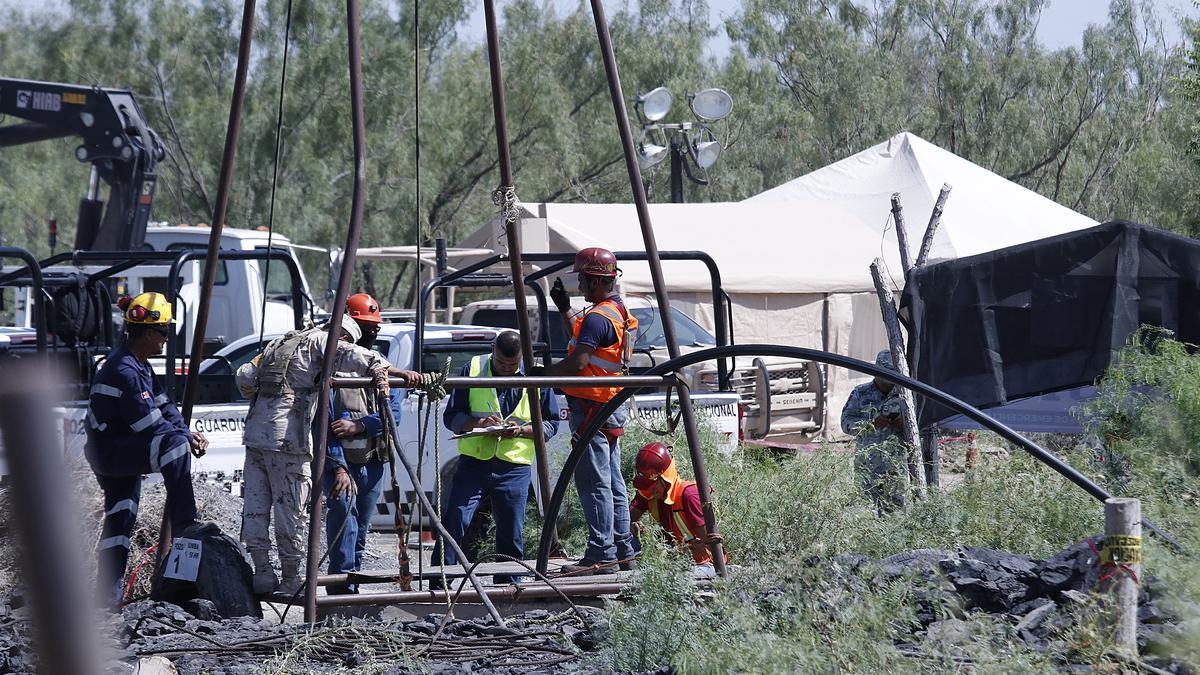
(687, 143)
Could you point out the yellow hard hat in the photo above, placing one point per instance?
(148, 309)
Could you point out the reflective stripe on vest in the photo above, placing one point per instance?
(678, 528)
(608, 360)
(484, 402)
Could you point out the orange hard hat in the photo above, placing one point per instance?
(596, 261)
(363, 307)
(652, 461)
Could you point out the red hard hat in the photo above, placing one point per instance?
(596, 261)
(652, 460)
(363, 307)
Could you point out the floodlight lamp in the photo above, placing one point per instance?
(711, 105)
(706, 153)
(655, 104)
(650, 154)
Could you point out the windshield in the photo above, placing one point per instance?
(687, 332)
(278, 281)
(434, 360)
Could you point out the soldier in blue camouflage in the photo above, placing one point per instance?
(872, 416)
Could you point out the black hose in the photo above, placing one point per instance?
(1042, 455)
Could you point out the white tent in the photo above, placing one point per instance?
(985, 212)
(794, 260)
(795, 275)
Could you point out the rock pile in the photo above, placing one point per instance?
(1038, 599)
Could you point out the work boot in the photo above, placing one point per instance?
(292, 581)
(627, 565)
(264, 579)
(587, 566)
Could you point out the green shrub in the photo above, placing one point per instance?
(775, 613)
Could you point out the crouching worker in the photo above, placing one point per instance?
(674, 503)
(283, 384)
(496, 464)
(133, 429)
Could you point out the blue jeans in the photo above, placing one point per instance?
(601, 487)
(507, 484)
(352, 516)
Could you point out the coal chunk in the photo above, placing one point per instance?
(224, 576)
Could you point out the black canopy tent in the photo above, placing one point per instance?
(1026, 330)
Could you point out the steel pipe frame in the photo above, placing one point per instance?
(721, 317)
(259, 254)
(453, 279)
(541, 381)
(1042, 455)
(39, 300)
(535, 591)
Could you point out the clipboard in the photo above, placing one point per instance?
(493, 430)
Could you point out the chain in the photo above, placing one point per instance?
(505, 197)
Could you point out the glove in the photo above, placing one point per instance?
(558, 293)
(536, 371)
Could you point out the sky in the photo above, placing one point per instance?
(1062, 24)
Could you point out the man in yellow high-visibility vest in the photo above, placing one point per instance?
(496, 464)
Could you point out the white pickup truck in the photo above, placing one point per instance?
(781, 399)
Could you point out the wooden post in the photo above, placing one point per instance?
(901, 233)
(931, 456)
(935, 219)
(896, 344)
(1121, 561)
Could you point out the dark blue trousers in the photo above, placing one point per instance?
(507, 484)
(119, 466)
(352, 516)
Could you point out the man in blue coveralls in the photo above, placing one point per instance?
(495, 463)
(355, 455)
(133, 429)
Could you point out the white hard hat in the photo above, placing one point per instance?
(351, 326)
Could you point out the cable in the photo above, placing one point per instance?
(417, 139)
(262, 317)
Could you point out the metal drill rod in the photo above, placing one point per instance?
(634, 381)
(345, 276)
(656, 274)
(386, 411)
(224, 185)
(509, 592)
(512, 231)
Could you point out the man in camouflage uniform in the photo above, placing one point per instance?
(872, 416)
(283, 384)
